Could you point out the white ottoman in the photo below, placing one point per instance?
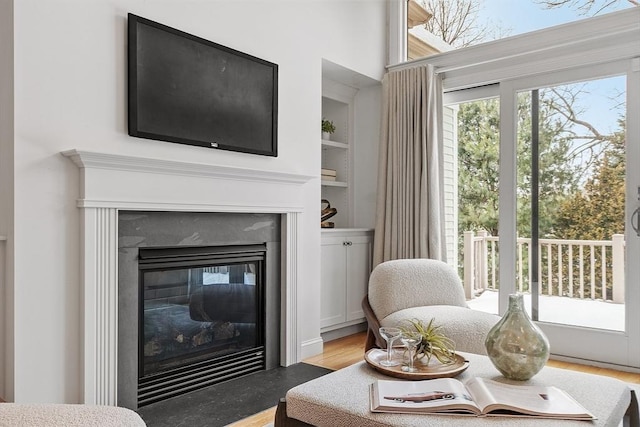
(341, 398)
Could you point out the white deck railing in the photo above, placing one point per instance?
(592, 269)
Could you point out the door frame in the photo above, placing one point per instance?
(613, 347)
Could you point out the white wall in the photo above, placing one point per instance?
(6, 188)
(368, 112)
(70, 92)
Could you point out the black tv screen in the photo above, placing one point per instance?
(188, 90)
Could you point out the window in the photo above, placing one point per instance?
(434, 26)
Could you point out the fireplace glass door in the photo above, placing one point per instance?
(200, 307)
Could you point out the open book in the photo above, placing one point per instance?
(477, 396)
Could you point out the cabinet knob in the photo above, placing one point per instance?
(347, 243)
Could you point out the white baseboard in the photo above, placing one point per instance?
(311, 347)
(334, 334)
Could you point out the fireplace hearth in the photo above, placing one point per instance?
(201, 317)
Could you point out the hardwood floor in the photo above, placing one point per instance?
(349, 350)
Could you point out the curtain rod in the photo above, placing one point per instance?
(413, 63)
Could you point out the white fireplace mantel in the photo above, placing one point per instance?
(113, 182)
(88, 159)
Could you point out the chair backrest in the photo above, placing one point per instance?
(405, 283)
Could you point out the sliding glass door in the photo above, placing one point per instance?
(569, 187)
(548, 182)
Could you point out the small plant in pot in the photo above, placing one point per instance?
(433, 342)
(327, 128)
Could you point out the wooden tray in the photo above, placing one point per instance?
(425, 372)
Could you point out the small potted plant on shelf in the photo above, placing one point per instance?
(327, 128)
(433, 342)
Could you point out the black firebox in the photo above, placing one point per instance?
(201, 317)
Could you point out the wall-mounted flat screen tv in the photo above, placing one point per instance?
(189, 90)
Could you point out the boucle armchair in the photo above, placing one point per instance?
(67, 415)
(405, 289)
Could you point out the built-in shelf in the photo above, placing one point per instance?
(350, 100)
(334, 144)
(337, 107)
(3, 237)
(334, 183)
(339, 230)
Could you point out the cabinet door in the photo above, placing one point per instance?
(358, 270)
(333, 281)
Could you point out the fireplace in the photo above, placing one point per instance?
(203, 289)
(111, 184)
(201, 317)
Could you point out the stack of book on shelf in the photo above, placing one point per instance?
(328, 174)
(475, 397)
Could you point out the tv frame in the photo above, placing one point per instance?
(133, 125)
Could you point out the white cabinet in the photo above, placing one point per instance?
(345, 268)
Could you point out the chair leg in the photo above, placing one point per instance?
(371, 340)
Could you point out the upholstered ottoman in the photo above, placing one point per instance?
(341, 398)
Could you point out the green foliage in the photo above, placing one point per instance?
(478, 154)
(558, 174)
(563, 207)
(478, 131)
(578, 200)
(328, 126)
(597, 212)
(433, 343)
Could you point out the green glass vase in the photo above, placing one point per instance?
(516, 346)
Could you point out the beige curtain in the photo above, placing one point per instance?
(410, 204)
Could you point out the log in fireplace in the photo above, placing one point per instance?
(201, 317)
